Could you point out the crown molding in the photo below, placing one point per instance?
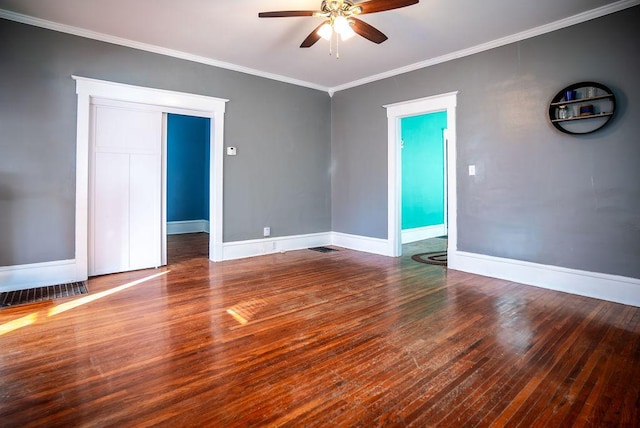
(547, 28)
(76, 31)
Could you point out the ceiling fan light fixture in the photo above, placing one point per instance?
(346, 32)
(347, 35)
(325, 31)
(341, 24)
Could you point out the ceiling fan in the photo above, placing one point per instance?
(340, 18)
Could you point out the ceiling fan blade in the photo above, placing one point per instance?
(312, 38)
(367, 31)
(286, 13)
(373, 6)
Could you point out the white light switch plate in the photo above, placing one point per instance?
(472, 170)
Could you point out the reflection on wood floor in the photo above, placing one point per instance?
(188, 246)
(317, 339)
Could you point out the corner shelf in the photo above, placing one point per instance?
(602, 106)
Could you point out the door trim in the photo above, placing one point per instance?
(445, 143)
(395, 112)
(166, 101)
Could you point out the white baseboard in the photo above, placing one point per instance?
(21, 277)
(188, 226)
(420, 233)
(613, 288)
(258, 247)
(362, 243)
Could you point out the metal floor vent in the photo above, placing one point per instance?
(323, 249)
(40, 294)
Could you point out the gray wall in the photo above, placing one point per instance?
(310, 164)
(539, 195)
(280, 178)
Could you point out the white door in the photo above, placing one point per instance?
(125, 216)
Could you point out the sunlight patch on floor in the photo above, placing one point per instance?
(18, 323)
(91, 297)
(244, 311)
(63, 307)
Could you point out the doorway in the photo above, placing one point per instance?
(165, 102)
(187, 184)
(423, 170)
(395, 113)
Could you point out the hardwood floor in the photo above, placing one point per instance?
(317, 339)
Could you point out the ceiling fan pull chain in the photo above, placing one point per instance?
(337, 46)
(331, 44)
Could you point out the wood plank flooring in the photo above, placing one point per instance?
(311, 339)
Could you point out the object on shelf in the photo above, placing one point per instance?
(586, 110)
(562, 112)
(569, 95)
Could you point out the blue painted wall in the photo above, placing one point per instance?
(423, 170)
(187, 167)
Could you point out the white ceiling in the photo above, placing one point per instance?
(230, 34)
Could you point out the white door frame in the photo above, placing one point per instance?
(445, 139)
(166, 101)
(395, 112)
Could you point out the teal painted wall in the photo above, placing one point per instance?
(187, 167)
(423, 170)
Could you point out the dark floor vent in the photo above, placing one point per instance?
(40, 294)
(323, 249)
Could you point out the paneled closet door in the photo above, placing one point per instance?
(125, 202)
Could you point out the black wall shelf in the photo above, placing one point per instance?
(591, 109)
